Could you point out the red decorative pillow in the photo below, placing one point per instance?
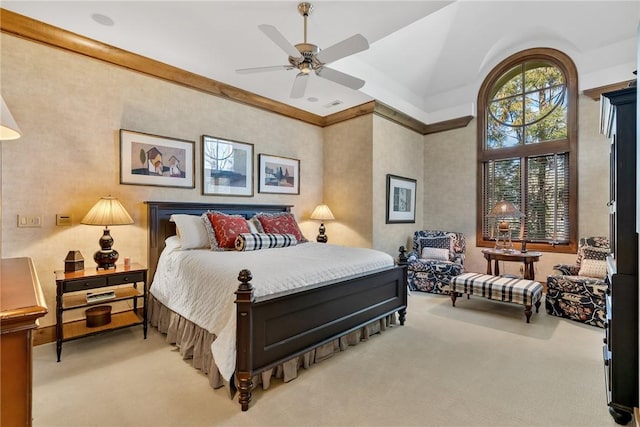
(280, 223)
(226, 228)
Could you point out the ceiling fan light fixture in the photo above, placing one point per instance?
(305, 68)
(307, 57)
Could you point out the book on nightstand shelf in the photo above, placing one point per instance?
(100, 296)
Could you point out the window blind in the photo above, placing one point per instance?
(543, 196)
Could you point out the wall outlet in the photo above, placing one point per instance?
(29, 221)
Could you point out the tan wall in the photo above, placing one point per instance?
(397, 151)
(451, 183)
(70, 109)
(358, 155)
(348, 175)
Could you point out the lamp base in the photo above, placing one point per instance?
(106, 257)
(322, 238)
(106, 260)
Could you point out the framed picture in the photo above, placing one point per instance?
(278, 175)
(401, 199)
(227, 167)
(147, 159)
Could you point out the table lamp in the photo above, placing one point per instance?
(108, 211)
(503, 210)
(322, 213)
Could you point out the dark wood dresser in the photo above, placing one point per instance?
(21, 305)
(620, 349)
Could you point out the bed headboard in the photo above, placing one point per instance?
(158, 214)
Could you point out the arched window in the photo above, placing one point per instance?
(527, 150)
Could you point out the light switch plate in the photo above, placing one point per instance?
(29, 221)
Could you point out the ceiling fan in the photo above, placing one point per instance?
(307, 57)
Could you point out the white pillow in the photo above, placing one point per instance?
(593, 268)
(438, 254)
(171, 244)
(252, 227)
(191, 231)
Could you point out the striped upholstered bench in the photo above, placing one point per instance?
(501, 288)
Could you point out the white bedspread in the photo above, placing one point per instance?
(200, 284)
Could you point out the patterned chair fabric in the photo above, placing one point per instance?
(574, 297)
(434, 275)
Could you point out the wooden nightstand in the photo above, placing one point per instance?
(71, 294)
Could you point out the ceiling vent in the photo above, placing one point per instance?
(333, 104)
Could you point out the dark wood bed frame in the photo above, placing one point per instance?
(273, 330)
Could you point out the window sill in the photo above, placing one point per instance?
(570, 248)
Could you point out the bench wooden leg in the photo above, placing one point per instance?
(527, 311)
(537, 306)
(453, 298)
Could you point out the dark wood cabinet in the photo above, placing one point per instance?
(618, 110)
(21, 305)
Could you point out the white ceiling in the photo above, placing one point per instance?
(426, 58)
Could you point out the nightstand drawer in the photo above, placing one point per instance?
(136, 276)
(81, 285)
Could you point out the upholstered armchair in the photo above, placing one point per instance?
(437, 256)
(577, 292)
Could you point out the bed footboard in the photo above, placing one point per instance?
(271, 331)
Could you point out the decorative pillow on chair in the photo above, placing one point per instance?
(223, 229)
(591, 252)
(436, 242)
(438, 254)
(280, 223)
(593, 268)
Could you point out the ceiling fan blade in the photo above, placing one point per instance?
(263, 69)
(275, 36)
(299, 85)
(340, 78)
(346, 47)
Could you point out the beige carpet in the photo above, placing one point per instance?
(478, 364)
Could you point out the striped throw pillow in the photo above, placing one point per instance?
(256, 241)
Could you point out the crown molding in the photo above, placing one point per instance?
(594, 93)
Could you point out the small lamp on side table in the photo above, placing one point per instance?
(322, 213)
(501, 211)
(108, 211)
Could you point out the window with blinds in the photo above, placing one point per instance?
(544, 191)
(526, 149)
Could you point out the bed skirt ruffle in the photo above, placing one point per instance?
(194, 343)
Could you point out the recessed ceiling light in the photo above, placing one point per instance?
(333, 103)
(102, 19)
(312, 99)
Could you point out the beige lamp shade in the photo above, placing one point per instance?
(108, 211)
(8, 126)
(322, 213)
